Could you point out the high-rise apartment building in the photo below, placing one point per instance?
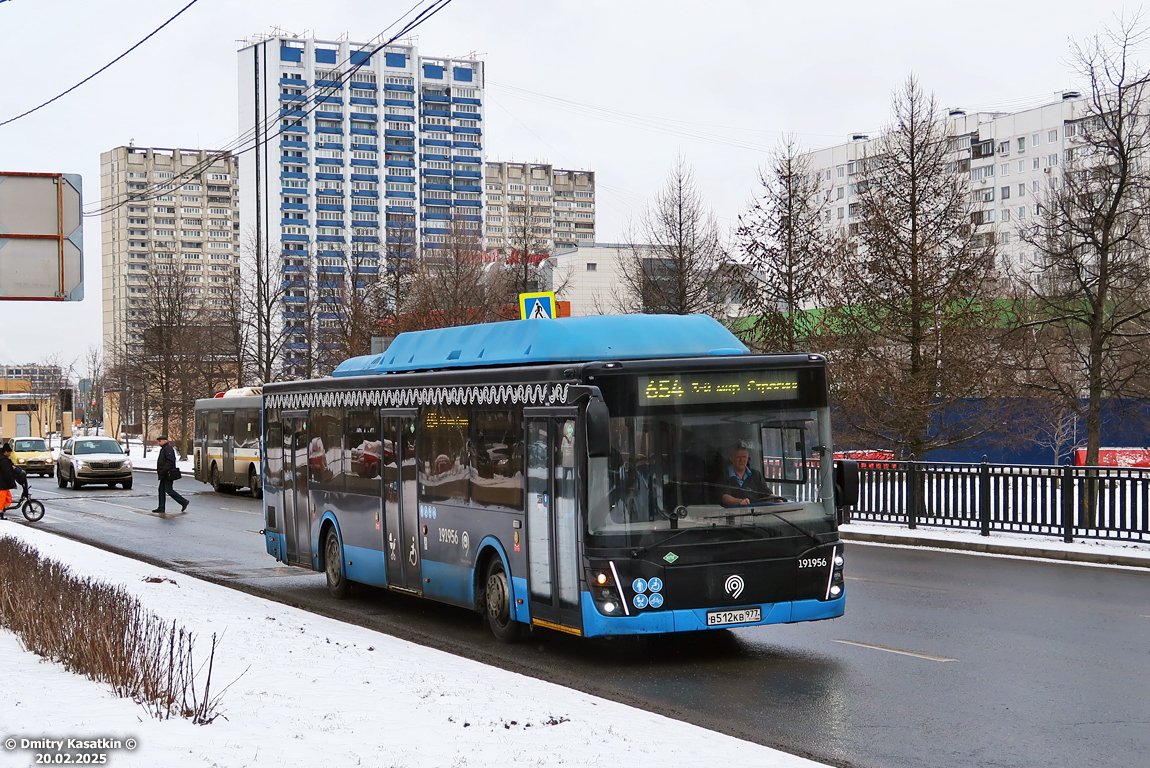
(173, 210)
(360, 154)
(1012, 158)
(536, 206)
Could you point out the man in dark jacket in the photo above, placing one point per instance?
(165, 470)
(7, 478)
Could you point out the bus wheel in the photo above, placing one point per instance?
(254, 487)
(337, 582)
(498, 603)
(214, 479)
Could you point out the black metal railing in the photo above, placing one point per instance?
(1071, 502)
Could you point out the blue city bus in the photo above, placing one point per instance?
(576, 474)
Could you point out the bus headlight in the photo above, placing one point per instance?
(836, 590)
(604, 591)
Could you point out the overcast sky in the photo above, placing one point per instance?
(721, 80)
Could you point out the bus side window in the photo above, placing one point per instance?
(325, 447)
(365, 454)
(443, 461)
(247, 429)
(214, 429)
(497, 459)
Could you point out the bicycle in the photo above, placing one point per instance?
(32, 509)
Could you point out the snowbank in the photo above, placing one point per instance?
(310, 691)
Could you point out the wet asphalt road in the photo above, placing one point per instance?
(943, 659)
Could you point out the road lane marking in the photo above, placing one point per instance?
(874, 647)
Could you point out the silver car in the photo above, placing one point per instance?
(85, 460)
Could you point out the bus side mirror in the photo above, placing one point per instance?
(598, 419)
(846, 483)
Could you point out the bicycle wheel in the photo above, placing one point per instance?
(33, 510)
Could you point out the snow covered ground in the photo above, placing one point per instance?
(311, 691)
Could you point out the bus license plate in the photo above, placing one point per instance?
(740, 616)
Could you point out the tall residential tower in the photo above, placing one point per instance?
(360, 154)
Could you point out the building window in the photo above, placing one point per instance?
(1005, 193)
(592, 266)
(1052, 136)
(1021, 143)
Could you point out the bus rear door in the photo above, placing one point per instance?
(553, 519)
(297, 512)
(401, 501)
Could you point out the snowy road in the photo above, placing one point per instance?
(942, 660)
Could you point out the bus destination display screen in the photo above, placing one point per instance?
(705, 388)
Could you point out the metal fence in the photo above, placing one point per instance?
(1071, 502)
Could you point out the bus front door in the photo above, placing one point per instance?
(401, 505)
(297, 512)
(553, 519)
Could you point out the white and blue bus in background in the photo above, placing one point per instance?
(571, 474)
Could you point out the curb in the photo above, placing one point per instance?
(1102, 558)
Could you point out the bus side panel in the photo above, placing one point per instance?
(361, 532)
(452, 544)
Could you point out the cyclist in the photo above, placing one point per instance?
(7, 478)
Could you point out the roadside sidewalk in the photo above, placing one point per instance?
(1107, 552)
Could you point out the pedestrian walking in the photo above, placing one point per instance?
(168, 473)
(7, 478)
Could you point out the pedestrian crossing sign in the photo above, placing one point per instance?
(537, 306)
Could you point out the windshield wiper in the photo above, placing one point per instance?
(753, 512)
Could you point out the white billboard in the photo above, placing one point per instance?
(41, 237)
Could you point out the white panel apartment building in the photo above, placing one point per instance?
(1011, 157)
(559, 205)
(178, 212)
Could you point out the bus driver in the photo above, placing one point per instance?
(742, 485)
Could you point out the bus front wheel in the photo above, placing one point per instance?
(337, 583)
(254, 486)
(497, 601)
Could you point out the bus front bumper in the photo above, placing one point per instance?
(649, 622)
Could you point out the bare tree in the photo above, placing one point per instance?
(1085, 306)
(913, 313)
(400, 266)
(263, 291)
(455, 284)
(788, 254)
(675, 261)
(361, 292)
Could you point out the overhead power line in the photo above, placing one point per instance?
(249, 140)
(101, 69)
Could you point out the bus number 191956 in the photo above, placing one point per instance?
(448, 535)
(812, 562)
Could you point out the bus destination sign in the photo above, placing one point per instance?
(704, 388)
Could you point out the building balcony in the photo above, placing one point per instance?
(292, 144)
(293, 83)
(325, 115)
(440, 187)
(399, 163)
(286, 98)
(390, 147)
(425, 112)
(363, 118)
(466, 116)
(435, 97)
(391, 132)
(375, 177)
(463, 130)
(364, 131)
(399, 103)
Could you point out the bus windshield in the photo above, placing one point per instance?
(758, 466)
